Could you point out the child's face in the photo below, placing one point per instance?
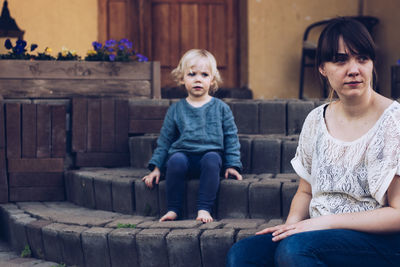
(198, 78)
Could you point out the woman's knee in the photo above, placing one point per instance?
(296, 251)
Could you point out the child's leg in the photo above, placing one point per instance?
(177, 167)
(210, 167)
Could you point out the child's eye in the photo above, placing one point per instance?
(191, 74)
(204, 74)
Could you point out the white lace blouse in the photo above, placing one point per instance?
(348, 176)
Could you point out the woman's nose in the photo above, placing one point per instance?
(354, 68)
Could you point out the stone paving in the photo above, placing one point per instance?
(64, 232)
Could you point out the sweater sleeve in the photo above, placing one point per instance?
(231, 140)
(168, 135)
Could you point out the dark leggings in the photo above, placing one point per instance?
(205, 166)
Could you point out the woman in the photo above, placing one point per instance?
(346, 211)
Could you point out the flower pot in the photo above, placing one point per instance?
(62, 79)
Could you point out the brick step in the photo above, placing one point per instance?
(259, 153)
(121, 190)
(65, 233)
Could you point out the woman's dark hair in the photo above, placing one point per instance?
(356, 37)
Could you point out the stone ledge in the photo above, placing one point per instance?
(78, 241)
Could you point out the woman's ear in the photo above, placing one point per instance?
(322, 70)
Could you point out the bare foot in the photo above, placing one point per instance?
(169, 216)
(204, 216)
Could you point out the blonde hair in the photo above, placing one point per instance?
(188, 60)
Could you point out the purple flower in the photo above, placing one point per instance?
(33, 47)
(124, 40)
(398, 62)
(21, 43)
(141, 58)
(97, 46)
(8, 44)
(110, 43)
(112, 57)
(110, 49)
(121, 47)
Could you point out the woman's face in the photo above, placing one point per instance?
(349, 75)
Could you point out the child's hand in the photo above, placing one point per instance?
(148, 179)
(233, 172)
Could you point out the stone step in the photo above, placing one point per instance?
(65, 233)
(259, 153)
(121, 190)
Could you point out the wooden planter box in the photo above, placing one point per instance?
(61, 79)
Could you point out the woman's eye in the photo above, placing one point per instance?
(363, 58)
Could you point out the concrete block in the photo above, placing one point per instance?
(233, 199)
(184, 248)
(288, 191)
(288, 153)
(35, 240)
(152, 247)
(272, 117)
(286, 177)
(5, 211)
(18, 236)
(245, 233)
(265, 199)
(72, 251)
(123, 195)
(123, 250)
(178, 224)
(81, 190)
(238, 224)
(102, 193)
(266, 155)
(245, 153)
(51, 243)
(146, 199)
(215, 245)
(297, 112)
(246, 116)
(141, 149)
(95, 247)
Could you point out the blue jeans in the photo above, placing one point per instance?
(205, 166)
(336, 247)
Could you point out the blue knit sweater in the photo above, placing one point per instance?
(210, 127)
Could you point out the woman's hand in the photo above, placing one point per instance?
(282, 231)
(233, 172)
(148, 179)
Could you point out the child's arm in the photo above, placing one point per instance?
(148, 179)
(233, 172)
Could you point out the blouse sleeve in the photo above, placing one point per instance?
(383, 157)
(302, 162)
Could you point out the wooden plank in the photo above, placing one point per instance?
(121, 126)
(82, 70)
(161, 34)
(148, 112)
(117, 22)
(190, 1)
(107, 125)
(58, 131)
(145, 126)
(3, 170)
(217, 42)
(36, 165)
(102, 19)
(2, 129)
(63, 88)
(28, 131)
(43, 134)
(35, 179)
(102, 159)
(79, 124)
(13, 130)
(189, 30)
(3, 194)
(156, 81)
(37, 194)
(203, 26)
(94, 125)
